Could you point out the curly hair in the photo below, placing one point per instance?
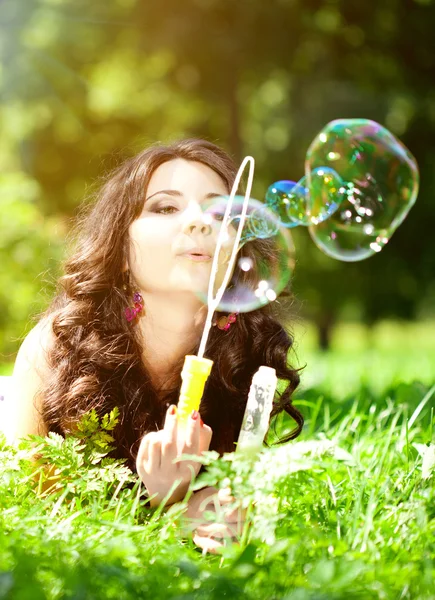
(95, 357)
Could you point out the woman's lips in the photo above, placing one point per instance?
(197, 257)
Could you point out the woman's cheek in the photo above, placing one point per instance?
(223, 262)
(149, 252)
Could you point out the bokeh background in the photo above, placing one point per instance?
(86, 84)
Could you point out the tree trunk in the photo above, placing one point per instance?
(325, 323)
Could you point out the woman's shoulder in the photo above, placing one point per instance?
(30, 375)
(36, 345)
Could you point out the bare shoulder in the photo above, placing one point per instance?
(36, 345)
(30, 373)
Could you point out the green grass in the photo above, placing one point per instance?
(345, 511)
(390, 354)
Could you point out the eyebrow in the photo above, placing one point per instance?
(178, 194)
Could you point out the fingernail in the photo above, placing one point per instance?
(194, 415)
(172, 409)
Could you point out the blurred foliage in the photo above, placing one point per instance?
(30, 251)
(84, 85)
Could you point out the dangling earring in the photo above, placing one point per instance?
(224, 323)
(131, 313)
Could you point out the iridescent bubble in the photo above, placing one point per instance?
(310, 201)
(265, 258)
(326, 193)
(262, 223)
(288, 200)
(380, 180)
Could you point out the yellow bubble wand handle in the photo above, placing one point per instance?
(194, 376)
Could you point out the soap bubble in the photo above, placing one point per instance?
(379, 186)
(326, 193)
(265, 260)
(288, 200)
(310, 201)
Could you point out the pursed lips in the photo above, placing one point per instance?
(196, 256)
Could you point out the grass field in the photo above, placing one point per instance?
(345, 511)
(389, 354)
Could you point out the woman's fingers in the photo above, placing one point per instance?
(213, 537)
(235, 515)
(142, 453)
(224, 494)
(218, 504)
(207, 544)
(154, 453)
(217, 530)
(169, 436)
(191, 443)
(197, 437)
(170, 426)
(205, 435)
(210, 536)
(190, 468)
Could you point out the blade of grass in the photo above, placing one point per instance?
(315, 414)
(420, 407)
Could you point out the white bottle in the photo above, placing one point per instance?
(258, 408)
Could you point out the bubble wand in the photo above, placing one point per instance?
(196, 369)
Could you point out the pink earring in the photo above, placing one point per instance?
(224, 323)
(131, 313)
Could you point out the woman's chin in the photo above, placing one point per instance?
(196, 280)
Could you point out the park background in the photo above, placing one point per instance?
(86, 84)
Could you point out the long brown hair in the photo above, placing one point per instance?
(96, 354)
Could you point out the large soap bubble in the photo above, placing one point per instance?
(265, 259)
(379, 185)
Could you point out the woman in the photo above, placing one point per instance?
(126, 316)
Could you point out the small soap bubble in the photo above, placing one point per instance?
(379, 185)
(263, 223)
(288, 199)
(310, 201)
(265, 257)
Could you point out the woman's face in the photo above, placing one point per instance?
(172, 224)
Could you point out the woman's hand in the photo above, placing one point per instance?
(158, 450)
(208, 535)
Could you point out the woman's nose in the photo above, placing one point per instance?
(198, 225)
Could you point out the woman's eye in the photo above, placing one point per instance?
(163, 209)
